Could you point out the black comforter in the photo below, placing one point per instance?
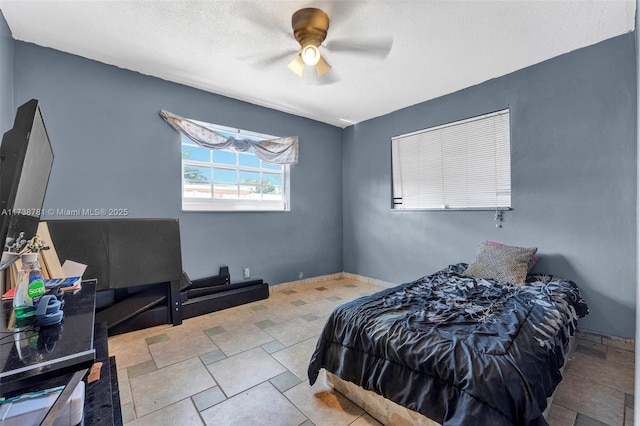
(460, 350)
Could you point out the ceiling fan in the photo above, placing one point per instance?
(310, 26)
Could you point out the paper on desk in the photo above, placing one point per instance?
(73, 272)
(73, 269)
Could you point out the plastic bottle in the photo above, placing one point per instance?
(30, 286)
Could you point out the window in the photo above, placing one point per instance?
(460, 165)
(230, 180)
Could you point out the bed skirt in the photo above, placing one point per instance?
(388, 412)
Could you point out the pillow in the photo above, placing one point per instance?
(532, 262)
(503, 263)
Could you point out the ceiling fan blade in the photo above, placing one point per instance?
(379, 48)
(263, 19)
(341, 11)
(322, 67)
(297, 65)
(329, 79)
(264, 61)
(311, 78)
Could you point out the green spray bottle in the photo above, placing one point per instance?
(30, 286)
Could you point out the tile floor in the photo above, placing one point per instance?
(247, 366)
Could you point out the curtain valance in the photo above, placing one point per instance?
(275, 151)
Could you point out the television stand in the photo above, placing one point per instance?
(65, 361)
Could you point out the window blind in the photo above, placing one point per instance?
(461, 165)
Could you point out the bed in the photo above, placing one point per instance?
(456, 348)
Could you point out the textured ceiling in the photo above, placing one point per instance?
(241, 48)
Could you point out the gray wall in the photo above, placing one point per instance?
(6, 77)
(112, 150)
(573, 181)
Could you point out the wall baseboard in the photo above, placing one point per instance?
(305, 282)
(605, 339)
(330, 277)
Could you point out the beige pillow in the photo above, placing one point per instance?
(503, 263)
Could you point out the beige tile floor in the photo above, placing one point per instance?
(247, 366)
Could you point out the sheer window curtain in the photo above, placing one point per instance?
(274, 151)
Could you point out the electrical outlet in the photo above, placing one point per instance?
(300, 275)
(247, 273)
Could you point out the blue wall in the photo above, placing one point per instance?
(7, 110)
(573, 180)
(573, 172)
(112, 150)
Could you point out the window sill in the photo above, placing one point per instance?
(447, 209)
(234, 206)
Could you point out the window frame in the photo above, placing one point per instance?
(397, 206)
(198, 204)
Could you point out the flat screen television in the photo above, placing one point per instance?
(26, 159)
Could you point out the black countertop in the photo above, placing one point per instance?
(31, 355)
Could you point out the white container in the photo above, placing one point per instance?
(31, 411)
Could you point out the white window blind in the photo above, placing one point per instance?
(460, 165)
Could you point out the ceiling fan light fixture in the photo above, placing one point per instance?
(310, 27)
(297, 65)
(322, 67)
(310, 54)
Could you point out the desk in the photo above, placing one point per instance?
(31, 356)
